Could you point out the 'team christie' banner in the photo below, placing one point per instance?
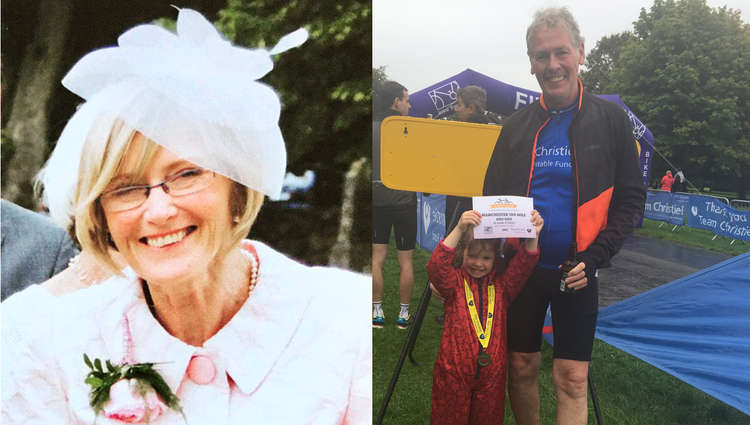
(701, 212)
(711, 214)
(666, 206)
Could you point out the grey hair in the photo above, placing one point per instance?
(554, 17)
(474, 95)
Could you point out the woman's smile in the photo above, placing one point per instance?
(159, 241)
(170, 237)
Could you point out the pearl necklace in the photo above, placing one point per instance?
(128, 349)
(247, 250)
(251, 254)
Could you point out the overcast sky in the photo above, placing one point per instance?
(421, 42)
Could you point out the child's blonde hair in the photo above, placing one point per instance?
(467, 241)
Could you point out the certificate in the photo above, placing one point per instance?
(504, 217)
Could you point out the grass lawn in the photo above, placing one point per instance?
(629, 390)
(694, 237)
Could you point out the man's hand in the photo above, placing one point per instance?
(577, 277)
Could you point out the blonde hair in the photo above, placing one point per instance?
(467, 242)
(104, 150)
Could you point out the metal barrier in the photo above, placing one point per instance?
(744, 204)
(675, 227)
(721, 198)
(740, 204)
(732, 222)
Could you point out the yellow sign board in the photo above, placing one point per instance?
(435, 156)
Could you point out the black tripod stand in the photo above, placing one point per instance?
(407, 349)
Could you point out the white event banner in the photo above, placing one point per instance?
(504, 217)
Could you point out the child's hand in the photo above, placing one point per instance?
(537, 221)
(469, 220)
(436, 293)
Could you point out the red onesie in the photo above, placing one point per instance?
(460, 394)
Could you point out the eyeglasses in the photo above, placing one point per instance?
(181, 184)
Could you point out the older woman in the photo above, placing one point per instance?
(204, 327)
(471, 106)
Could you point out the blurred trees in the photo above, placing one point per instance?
(37, 74)
(378, 76)
(41, 40)
(600, 61)
(325, 93)
(685, 72)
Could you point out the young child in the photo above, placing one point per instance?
(468, 384)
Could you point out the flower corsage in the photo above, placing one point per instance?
(131, 393)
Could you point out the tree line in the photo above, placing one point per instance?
(684, 70)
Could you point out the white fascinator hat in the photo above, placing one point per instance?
(192, 92)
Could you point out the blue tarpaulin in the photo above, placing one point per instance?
(696, 328)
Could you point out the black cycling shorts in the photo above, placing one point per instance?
(403, 219)
(573, 316)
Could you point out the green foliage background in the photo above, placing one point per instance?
(325, 92)
(685, 71)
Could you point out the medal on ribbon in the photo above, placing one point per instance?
(483, 359)
(483, 333)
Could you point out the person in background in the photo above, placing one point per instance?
(667, 181)
(471, 106)
(575, 154)
(395, 209)
(679, 182)
(33, 248)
